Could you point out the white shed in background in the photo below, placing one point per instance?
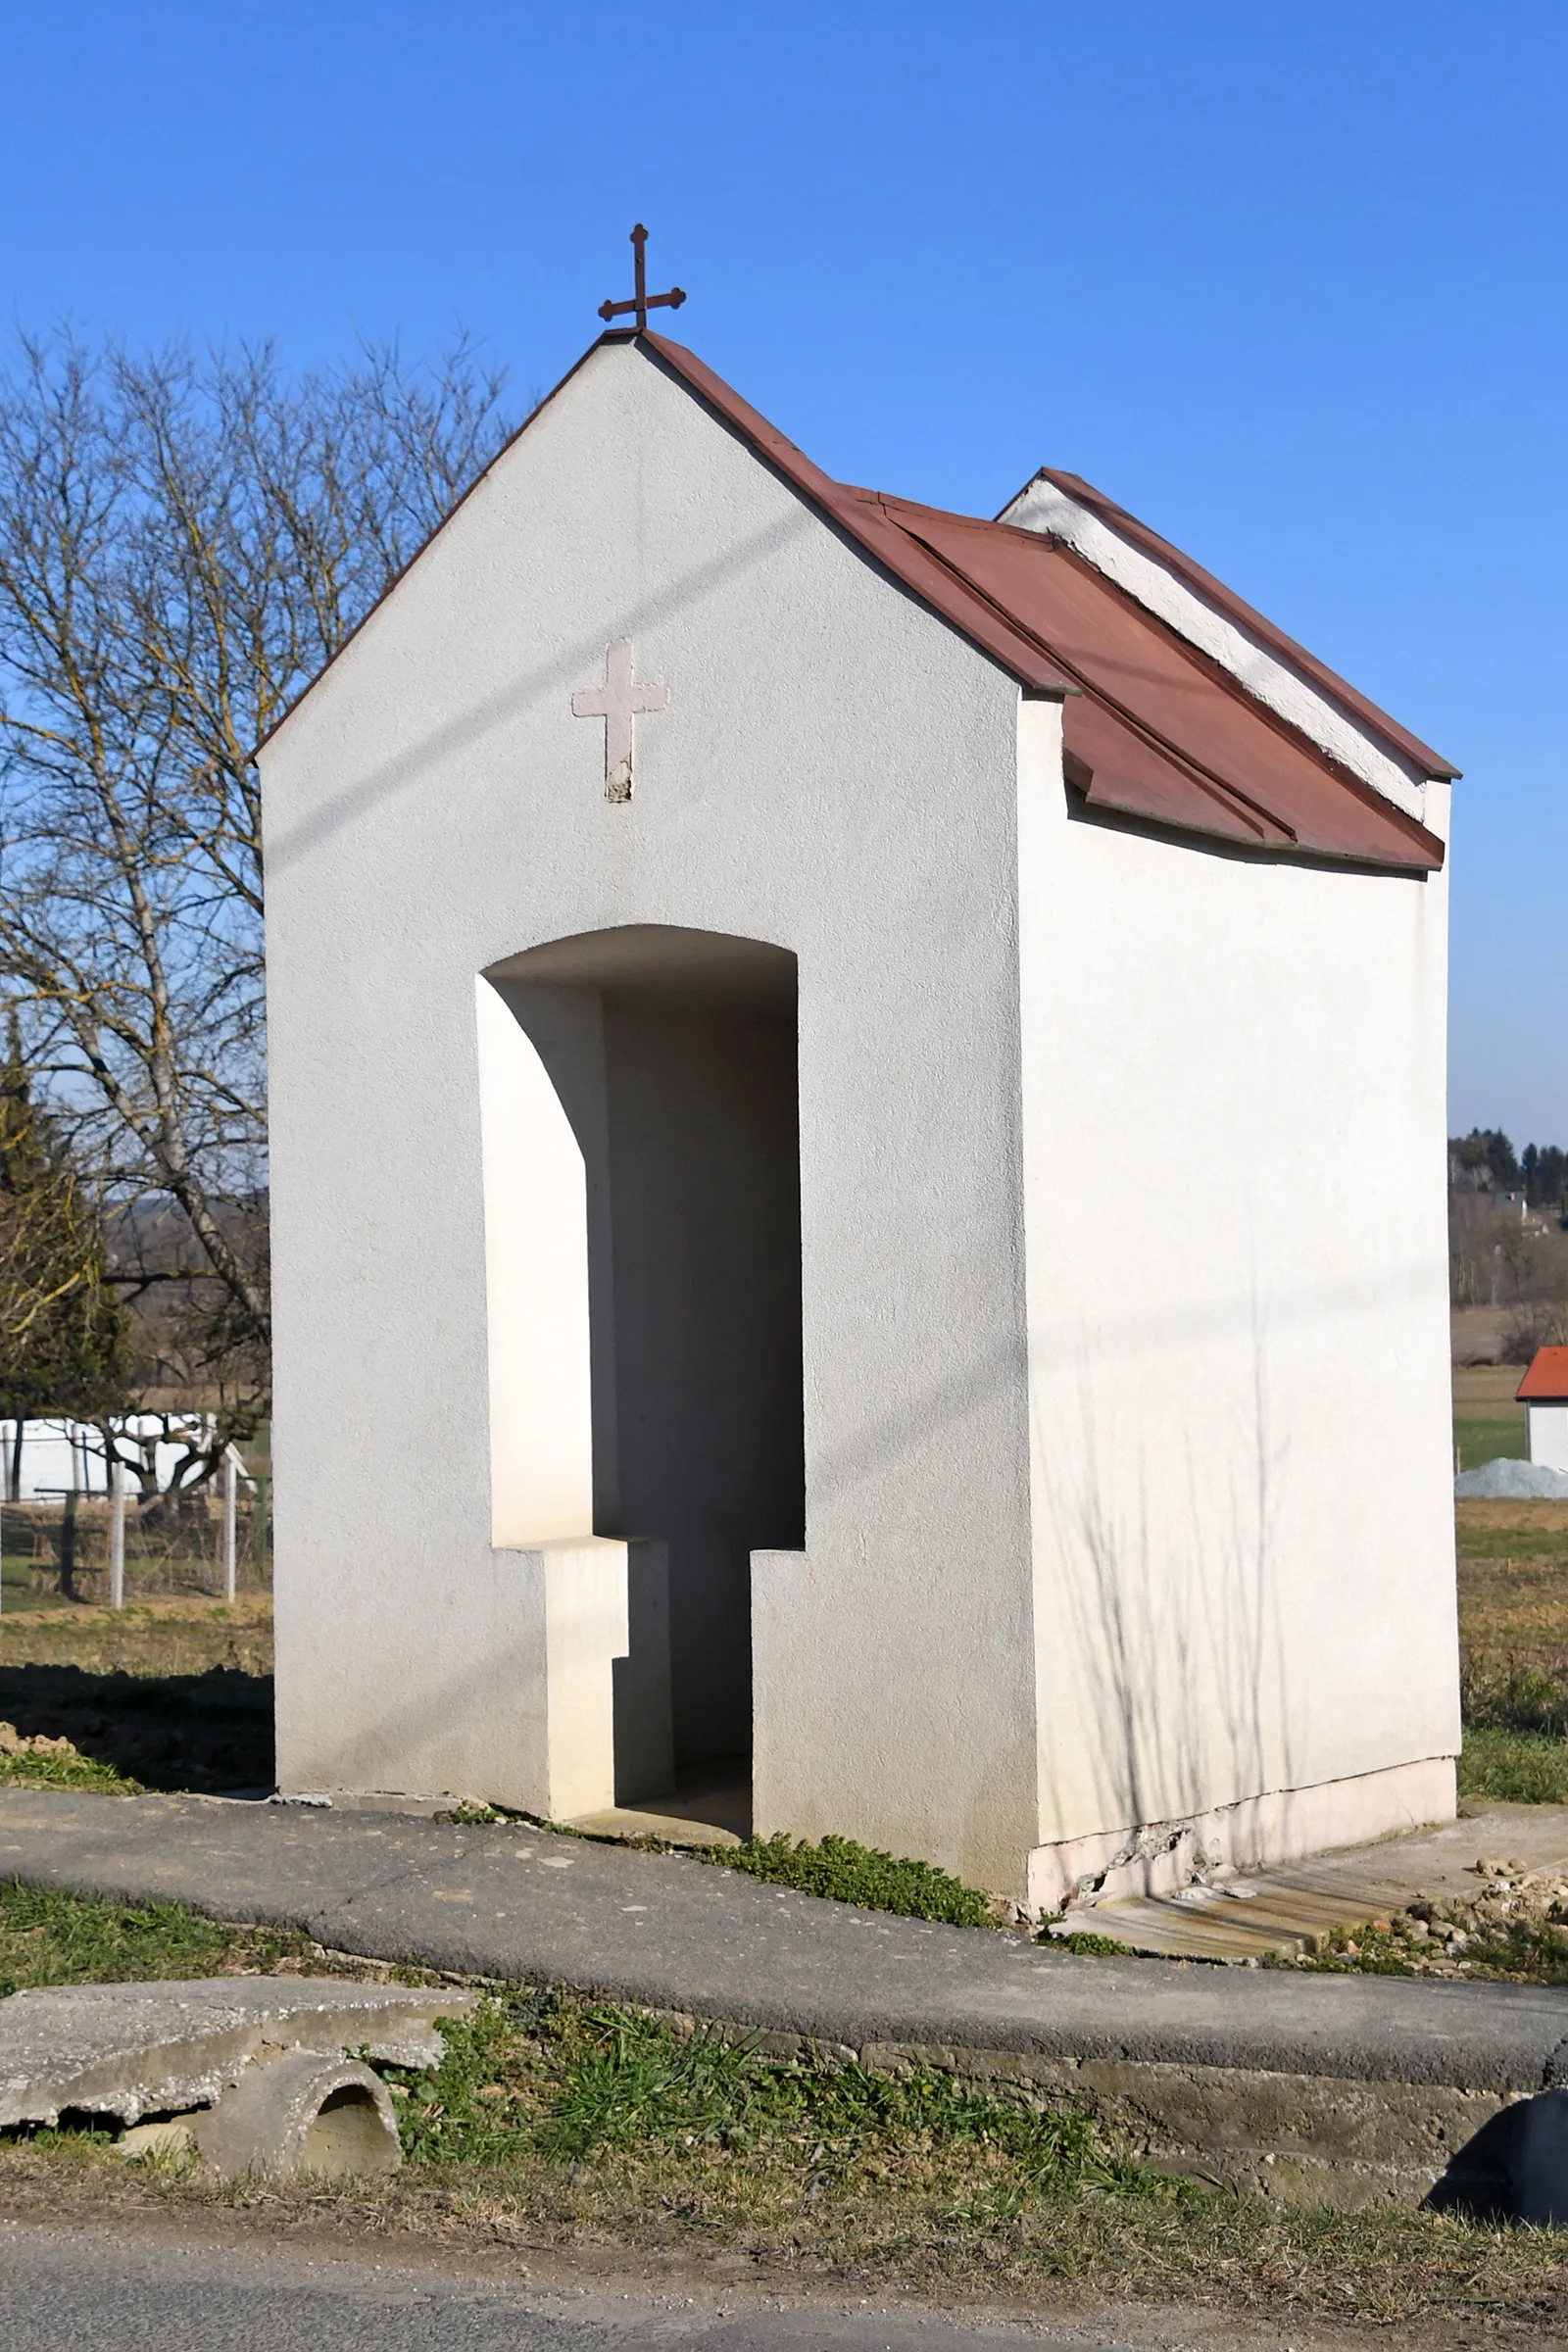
(67, 1457)
(1544, 1394)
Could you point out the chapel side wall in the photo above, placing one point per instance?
(1239, 1333)
(835, 776)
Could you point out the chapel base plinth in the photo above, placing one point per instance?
(1283, 1826)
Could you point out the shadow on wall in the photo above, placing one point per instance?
(1164, 1597)
(673, 1055)
(1170, 1620)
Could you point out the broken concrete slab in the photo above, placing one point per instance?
(130, 2050)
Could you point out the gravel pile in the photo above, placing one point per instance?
(1508, 1897)
(1507, 1481)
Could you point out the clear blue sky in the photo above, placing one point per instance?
(1287, 280)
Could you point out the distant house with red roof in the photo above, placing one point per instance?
(1544, 1394)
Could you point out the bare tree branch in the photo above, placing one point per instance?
(183, 542)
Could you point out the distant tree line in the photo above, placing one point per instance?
(1485, 1160)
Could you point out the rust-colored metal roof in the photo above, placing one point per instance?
(1158, 730)
(1155, 729)
(1253, 623)
(1546, 1380)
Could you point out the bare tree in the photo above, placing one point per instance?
(183, 542)
(65, 1335)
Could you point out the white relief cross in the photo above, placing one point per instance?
(619, 702)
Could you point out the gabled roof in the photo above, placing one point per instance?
(1546, 1380)
(1247, 618)
(1155, 728)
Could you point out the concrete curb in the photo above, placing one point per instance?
(1349, 2089)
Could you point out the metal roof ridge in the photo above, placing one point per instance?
(1235, 608)
(1218, 786)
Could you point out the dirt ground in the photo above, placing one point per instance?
(179, 1693)
(172, 1695)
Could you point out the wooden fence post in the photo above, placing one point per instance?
(230, 1525)
(116, 1537)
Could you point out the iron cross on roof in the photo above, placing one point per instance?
(642, 302)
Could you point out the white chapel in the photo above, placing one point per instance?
(824, 1055)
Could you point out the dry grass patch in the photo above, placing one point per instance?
(153, 1637)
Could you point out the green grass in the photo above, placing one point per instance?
(1482, 1545)
(47, 1938)
(71, 1770)
(557, 2121)
(1513, 1768)
(849, 1873)
(1491, 1437)
(551, 2076)
(1089, 1946)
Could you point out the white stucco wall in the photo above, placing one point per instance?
(536, 1292)
(1126, 1424)
(1242, 1436)
(1549, 1435)
(834, 774)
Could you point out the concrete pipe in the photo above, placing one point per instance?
(302, 2113)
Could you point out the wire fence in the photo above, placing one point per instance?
(215, 1543)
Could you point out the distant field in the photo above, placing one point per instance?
(1513, 1649)
(1486, 1422)
(175, 1636)
(1490, 1441)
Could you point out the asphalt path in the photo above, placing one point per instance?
(508, 1901)
(64, 2291)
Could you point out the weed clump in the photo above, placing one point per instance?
(1506, 1767)
(849, 1873)
(554, 2078)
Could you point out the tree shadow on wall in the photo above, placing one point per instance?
(1169, 1616)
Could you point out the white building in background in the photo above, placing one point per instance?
(716, 917)
(1544, 1394)
(67, 1457)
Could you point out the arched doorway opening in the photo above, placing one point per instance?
(672, 1055)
